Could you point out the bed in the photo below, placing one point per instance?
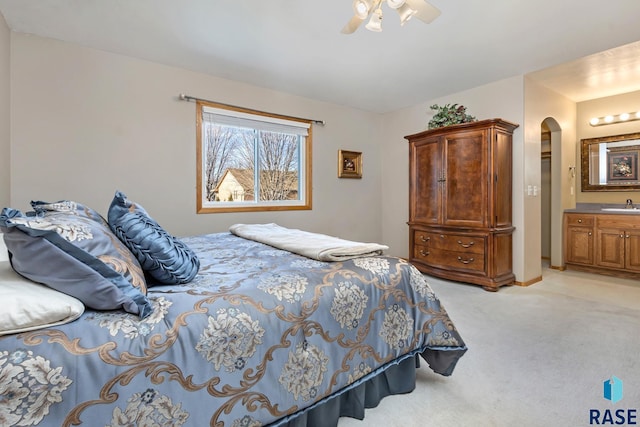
(259, 336)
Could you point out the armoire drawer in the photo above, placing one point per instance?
(449, 259)
(450, 242)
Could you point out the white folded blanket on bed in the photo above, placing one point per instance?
(312, 245)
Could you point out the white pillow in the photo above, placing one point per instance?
(27, 305)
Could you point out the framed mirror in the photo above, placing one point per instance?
(610, 163)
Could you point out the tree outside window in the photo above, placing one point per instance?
(251, 161)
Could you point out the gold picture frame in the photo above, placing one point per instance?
(349, 164)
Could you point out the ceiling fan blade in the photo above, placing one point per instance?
(424, 11)
(352, 25)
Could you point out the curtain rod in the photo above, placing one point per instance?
(184, 97)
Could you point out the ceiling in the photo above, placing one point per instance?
(583, 49)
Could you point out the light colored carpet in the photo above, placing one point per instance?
(538, 356)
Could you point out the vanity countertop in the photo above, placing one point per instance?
(604, 208)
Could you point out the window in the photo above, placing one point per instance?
(251, 161)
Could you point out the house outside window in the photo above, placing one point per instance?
(251, 161)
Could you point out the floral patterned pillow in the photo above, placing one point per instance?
(70, 248)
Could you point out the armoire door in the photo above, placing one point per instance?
(465, 198)
(426, 181)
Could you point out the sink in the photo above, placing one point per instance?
(629, 210)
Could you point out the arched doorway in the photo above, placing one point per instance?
(551, 203)
(545, 194)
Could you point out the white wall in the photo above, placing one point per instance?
(501, 99)
(626, 103)
(522, 101)
(542, 103)
(5, 90)
(87, 122)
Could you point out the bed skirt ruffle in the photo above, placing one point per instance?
(397, 378)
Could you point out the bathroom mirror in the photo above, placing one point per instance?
(610, 163)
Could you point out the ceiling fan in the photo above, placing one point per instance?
(373, 8)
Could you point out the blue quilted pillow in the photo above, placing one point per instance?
(70, 248)
(161, 255)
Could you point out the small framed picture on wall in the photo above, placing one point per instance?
(623, 166)
(349, 164)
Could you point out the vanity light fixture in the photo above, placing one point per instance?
(612, 119)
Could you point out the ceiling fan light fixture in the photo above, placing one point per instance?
(375, 23)
(370, 11)
(362, 8)
(405, 13)
(395, 4)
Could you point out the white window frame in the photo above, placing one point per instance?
(233, 116)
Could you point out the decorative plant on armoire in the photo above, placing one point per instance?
(449, 114)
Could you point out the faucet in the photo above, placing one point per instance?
(629, 204)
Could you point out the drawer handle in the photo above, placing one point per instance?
(423, 253)
(423, 239)
(465, 261)
(580, 221)
(467, 245)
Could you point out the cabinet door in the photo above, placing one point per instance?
(426, 180)
(632, 250)
(501, 171)
(579, 248)
(610, 248)
(466, 173)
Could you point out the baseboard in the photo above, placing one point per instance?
(528, 282)
(558, 267)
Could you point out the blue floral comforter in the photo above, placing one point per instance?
(259, 334)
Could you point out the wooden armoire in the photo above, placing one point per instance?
(460, 202)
